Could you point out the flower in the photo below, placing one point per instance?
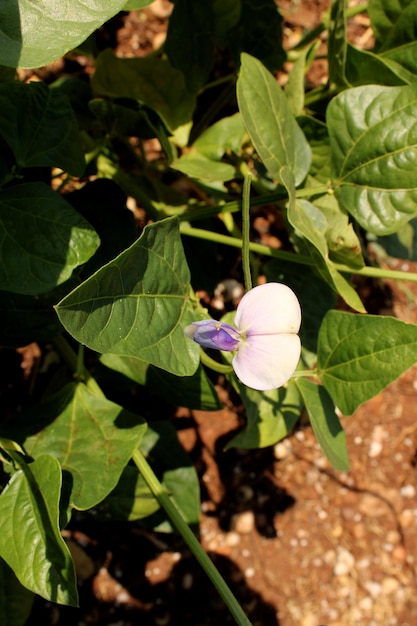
(266, 342)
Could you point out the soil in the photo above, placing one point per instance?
(299, 543)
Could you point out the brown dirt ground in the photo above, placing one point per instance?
(299, 543)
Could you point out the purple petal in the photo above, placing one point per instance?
(212, 334)
(267, 361)
(269, 309)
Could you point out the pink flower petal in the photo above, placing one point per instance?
(269, 308)
(267, 361)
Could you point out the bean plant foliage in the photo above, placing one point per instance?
(110, 297)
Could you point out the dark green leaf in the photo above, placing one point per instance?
(189, 43)
(194, 392)
(15, 600)
(42, 239)
(325, 423)
(39, 126)
(151, 80)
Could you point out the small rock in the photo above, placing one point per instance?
(243, 523)
(282, 450)
(408, 491)
(345, 562)
(232, 539)
(389, 585)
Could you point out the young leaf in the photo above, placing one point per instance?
(359, 355)
(42, 239)
(89, 435)
(138, 304)
(373, 139)
(31, 544)
(270, 123)
(309, 221)
(40, 127)
(325, 423)
(33, 35)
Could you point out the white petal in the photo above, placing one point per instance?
(269, 308)
(267, 361)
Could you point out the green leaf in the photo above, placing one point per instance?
(40, 127)
(311, 223)
(136, 5)
(393, 22)
(138, 304)
(258, 32)
(30, 318)
(31, 543)
(132, 500)
(271, 415)
(270, 123)
(189, 43)
(15, 600)
(337, 44)
(33, 35)
(198, 166)
(359, 355)
(325, 423)
(363, 67)
(400, 245)
(194, 392)
(374, 154)
(92, 438)
(42, 239)
(226, 135)
(151, 80)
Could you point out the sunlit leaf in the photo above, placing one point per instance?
(138, 304)
(33, 34)
(311, 223)
(90, 435)
(270, 123)
(31, 544)
(373, 134)
(359, 355)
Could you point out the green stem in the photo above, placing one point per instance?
(221, 368)
(75, 363)
(305, 373)
(191, 540)
(373, 272)
(245, 233)
(201, 212)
